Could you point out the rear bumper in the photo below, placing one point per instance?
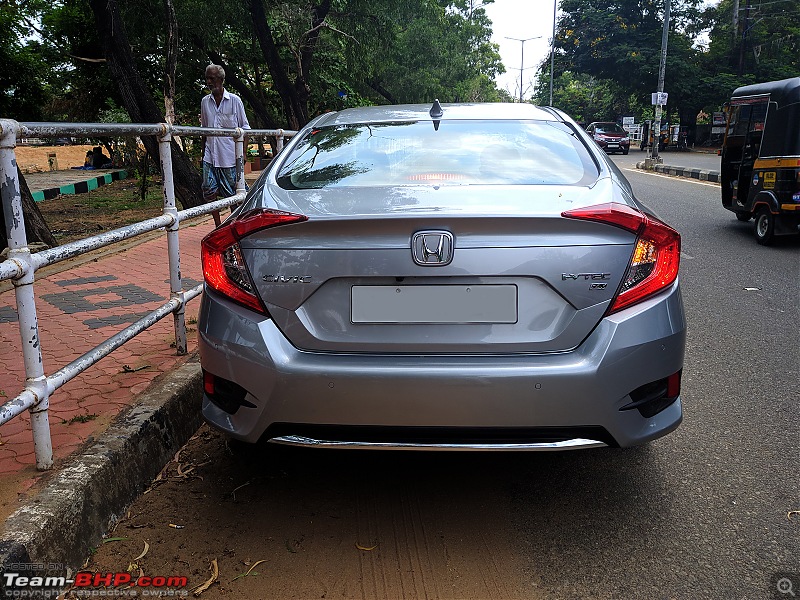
(610, 146)
(581, 390)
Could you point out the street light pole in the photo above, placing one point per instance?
(522, 59)
(553, 50)
(662, 66)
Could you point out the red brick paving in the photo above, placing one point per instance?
(69, 306)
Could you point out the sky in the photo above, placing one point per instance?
(521, 19)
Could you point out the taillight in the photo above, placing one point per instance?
(656, 256)
(224, 270)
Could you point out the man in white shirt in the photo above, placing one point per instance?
(222, 109)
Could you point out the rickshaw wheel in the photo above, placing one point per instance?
(765, 226)
(743, 215)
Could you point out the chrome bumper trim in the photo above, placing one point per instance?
(573, 444)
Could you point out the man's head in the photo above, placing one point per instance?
(215, 77)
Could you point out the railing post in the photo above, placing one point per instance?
(279, 140)
(240, 158)
(23, 290)
(173, 242)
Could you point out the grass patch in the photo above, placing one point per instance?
(110, 200)
(77, 216)
(79, 419)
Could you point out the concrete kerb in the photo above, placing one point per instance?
(83, 501)
(701, 174)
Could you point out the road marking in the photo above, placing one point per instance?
(686, 179)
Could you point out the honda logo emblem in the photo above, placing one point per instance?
(432, 248)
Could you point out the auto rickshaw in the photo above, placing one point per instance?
(647, 136)
(760, 157)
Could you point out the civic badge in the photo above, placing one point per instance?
(432, 248)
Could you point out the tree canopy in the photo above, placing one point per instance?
(293, 59)
(608, 53)
(288, 60)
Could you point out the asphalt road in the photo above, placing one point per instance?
(701, 513)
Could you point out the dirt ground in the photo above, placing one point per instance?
(34, 159)
(293, 523)
(76, 216)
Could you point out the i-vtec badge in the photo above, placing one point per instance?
(287, 278)
(585, 276)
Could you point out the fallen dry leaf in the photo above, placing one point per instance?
(207, 584)
(233, 493)
(146, 548)
(366, 548)
(792, 512)
(254, 565)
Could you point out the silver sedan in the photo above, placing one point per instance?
(465, 276)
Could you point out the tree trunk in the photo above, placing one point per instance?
(296, 116)
(36, 228)
(688, 119)
(376, 85)
(137, 98)
(171, 62)
(294, 95)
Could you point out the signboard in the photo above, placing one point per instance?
(658, 98)
(628, 121)
(718, 118)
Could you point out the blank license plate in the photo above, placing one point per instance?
(434, 304)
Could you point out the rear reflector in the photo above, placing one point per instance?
(655, 259)
(226, 394)
(651, 398)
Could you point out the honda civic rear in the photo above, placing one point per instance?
(388, 283)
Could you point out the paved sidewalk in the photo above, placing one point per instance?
(79, 304)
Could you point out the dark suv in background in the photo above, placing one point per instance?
(611, 137)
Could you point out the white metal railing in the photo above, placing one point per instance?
(21, 265)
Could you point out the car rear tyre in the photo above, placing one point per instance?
(625, 150)
(744, 215)
(764, 227)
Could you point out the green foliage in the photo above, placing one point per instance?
(384, 51)
(75, 67)
(366, 51)
(586, 98)
(617, 44)
(765, 46)
(22, 88)
(621, 42)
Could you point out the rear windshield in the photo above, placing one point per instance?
(442, 153)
